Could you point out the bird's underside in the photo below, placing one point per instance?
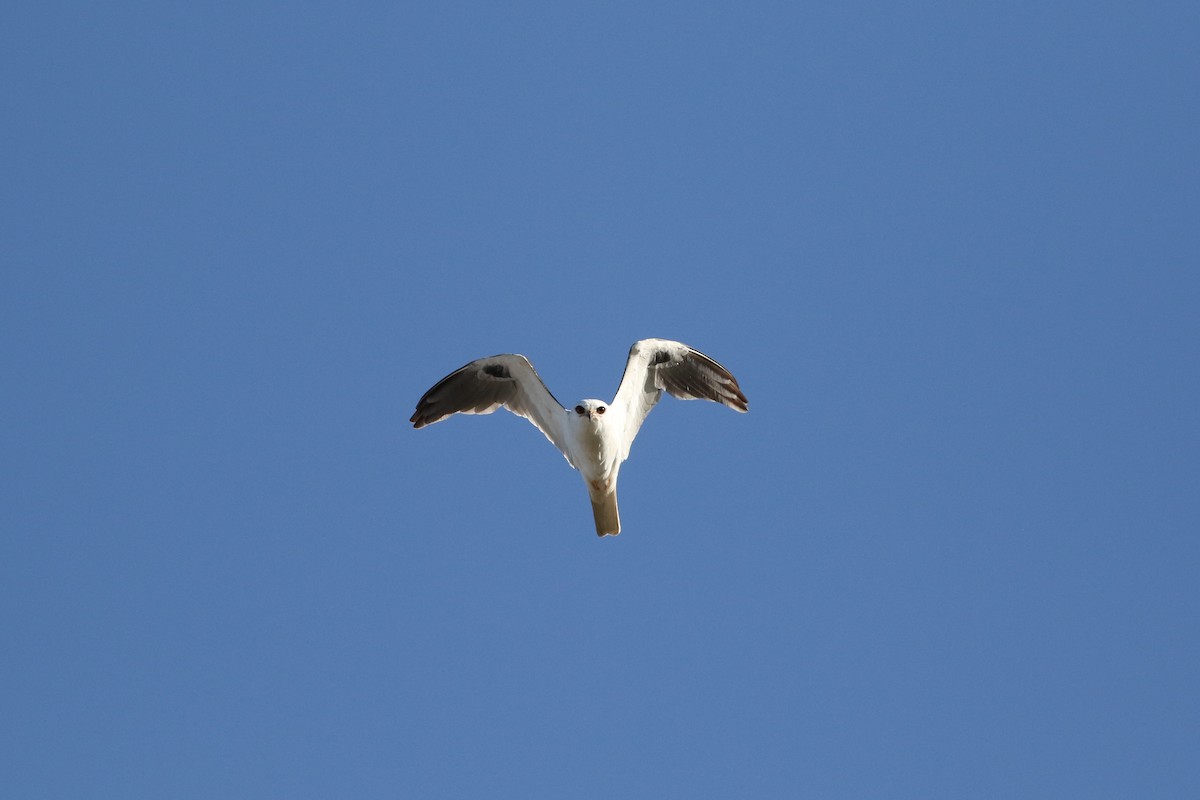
(594, 436)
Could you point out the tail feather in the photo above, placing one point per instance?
(604, 509)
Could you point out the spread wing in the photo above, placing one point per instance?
(658, 365)
(484, 385)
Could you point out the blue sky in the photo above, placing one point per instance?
(949, 250)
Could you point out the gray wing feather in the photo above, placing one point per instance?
(486, 384)
(658, 365)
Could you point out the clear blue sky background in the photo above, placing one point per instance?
(950, 250)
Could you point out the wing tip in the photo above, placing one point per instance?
(421, 417)
(738, 402)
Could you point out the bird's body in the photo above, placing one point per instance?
(594, 436)
(596, 454)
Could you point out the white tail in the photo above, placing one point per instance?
(608, 519)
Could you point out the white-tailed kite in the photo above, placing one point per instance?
(594, 436)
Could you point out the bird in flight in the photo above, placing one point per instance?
(594, 436)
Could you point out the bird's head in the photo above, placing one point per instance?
(592, 410)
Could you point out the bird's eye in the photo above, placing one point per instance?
(600, 410)
(578, 409)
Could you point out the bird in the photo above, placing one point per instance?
(594, 436)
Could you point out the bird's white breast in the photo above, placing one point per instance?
(596, 448)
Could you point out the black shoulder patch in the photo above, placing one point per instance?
(661, 357)
(497, 371)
